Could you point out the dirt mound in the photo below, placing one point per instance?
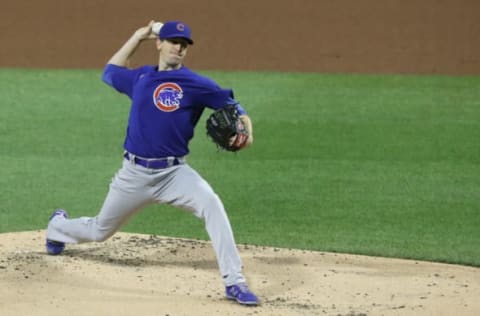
(150, 275)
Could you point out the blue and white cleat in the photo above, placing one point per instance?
(56, 247)
(242, 294)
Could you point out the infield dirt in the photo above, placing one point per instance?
(133, 274)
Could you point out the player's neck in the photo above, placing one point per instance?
(162, 66)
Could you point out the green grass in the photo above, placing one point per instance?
(380, 165)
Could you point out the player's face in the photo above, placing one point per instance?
(173, 51)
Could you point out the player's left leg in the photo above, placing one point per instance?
(188, 190)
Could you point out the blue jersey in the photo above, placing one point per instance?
(166, 106)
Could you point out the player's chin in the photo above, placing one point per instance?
(175, 61)
(177, 58)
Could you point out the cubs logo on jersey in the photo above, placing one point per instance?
(167, 96)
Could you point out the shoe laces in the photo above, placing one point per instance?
(243, 288)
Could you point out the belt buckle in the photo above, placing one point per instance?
(157, 163)
(149, 164)
(160, 163)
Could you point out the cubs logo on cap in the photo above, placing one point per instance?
(167, 96)
(176, 29)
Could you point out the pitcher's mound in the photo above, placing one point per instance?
(144, 275)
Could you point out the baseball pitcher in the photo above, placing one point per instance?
(167, 101)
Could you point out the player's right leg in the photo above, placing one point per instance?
(128, 194)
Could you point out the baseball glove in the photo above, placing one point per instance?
(226, 129)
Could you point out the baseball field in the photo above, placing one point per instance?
(360, 195)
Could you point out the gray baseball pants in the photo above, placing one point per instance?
(134, 187)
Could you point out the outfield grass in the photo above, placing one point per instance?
(379, 165)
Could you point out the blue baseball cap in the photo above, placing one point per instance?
(173, 29)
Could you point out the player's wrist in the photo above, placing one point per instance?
(138, 37)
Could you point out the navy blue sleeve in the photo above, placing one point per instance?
(219, 98)
(215, 97)
(107, 75)
(120, 78)
(241, 110)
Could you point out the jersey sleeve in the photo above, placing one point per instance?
(241, 110)
(121, 78)
(217, 98)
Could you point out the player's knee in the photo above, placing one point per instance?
(211, 204)
(102, 235)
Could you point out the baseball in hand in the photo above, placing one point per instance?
(156, 27)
